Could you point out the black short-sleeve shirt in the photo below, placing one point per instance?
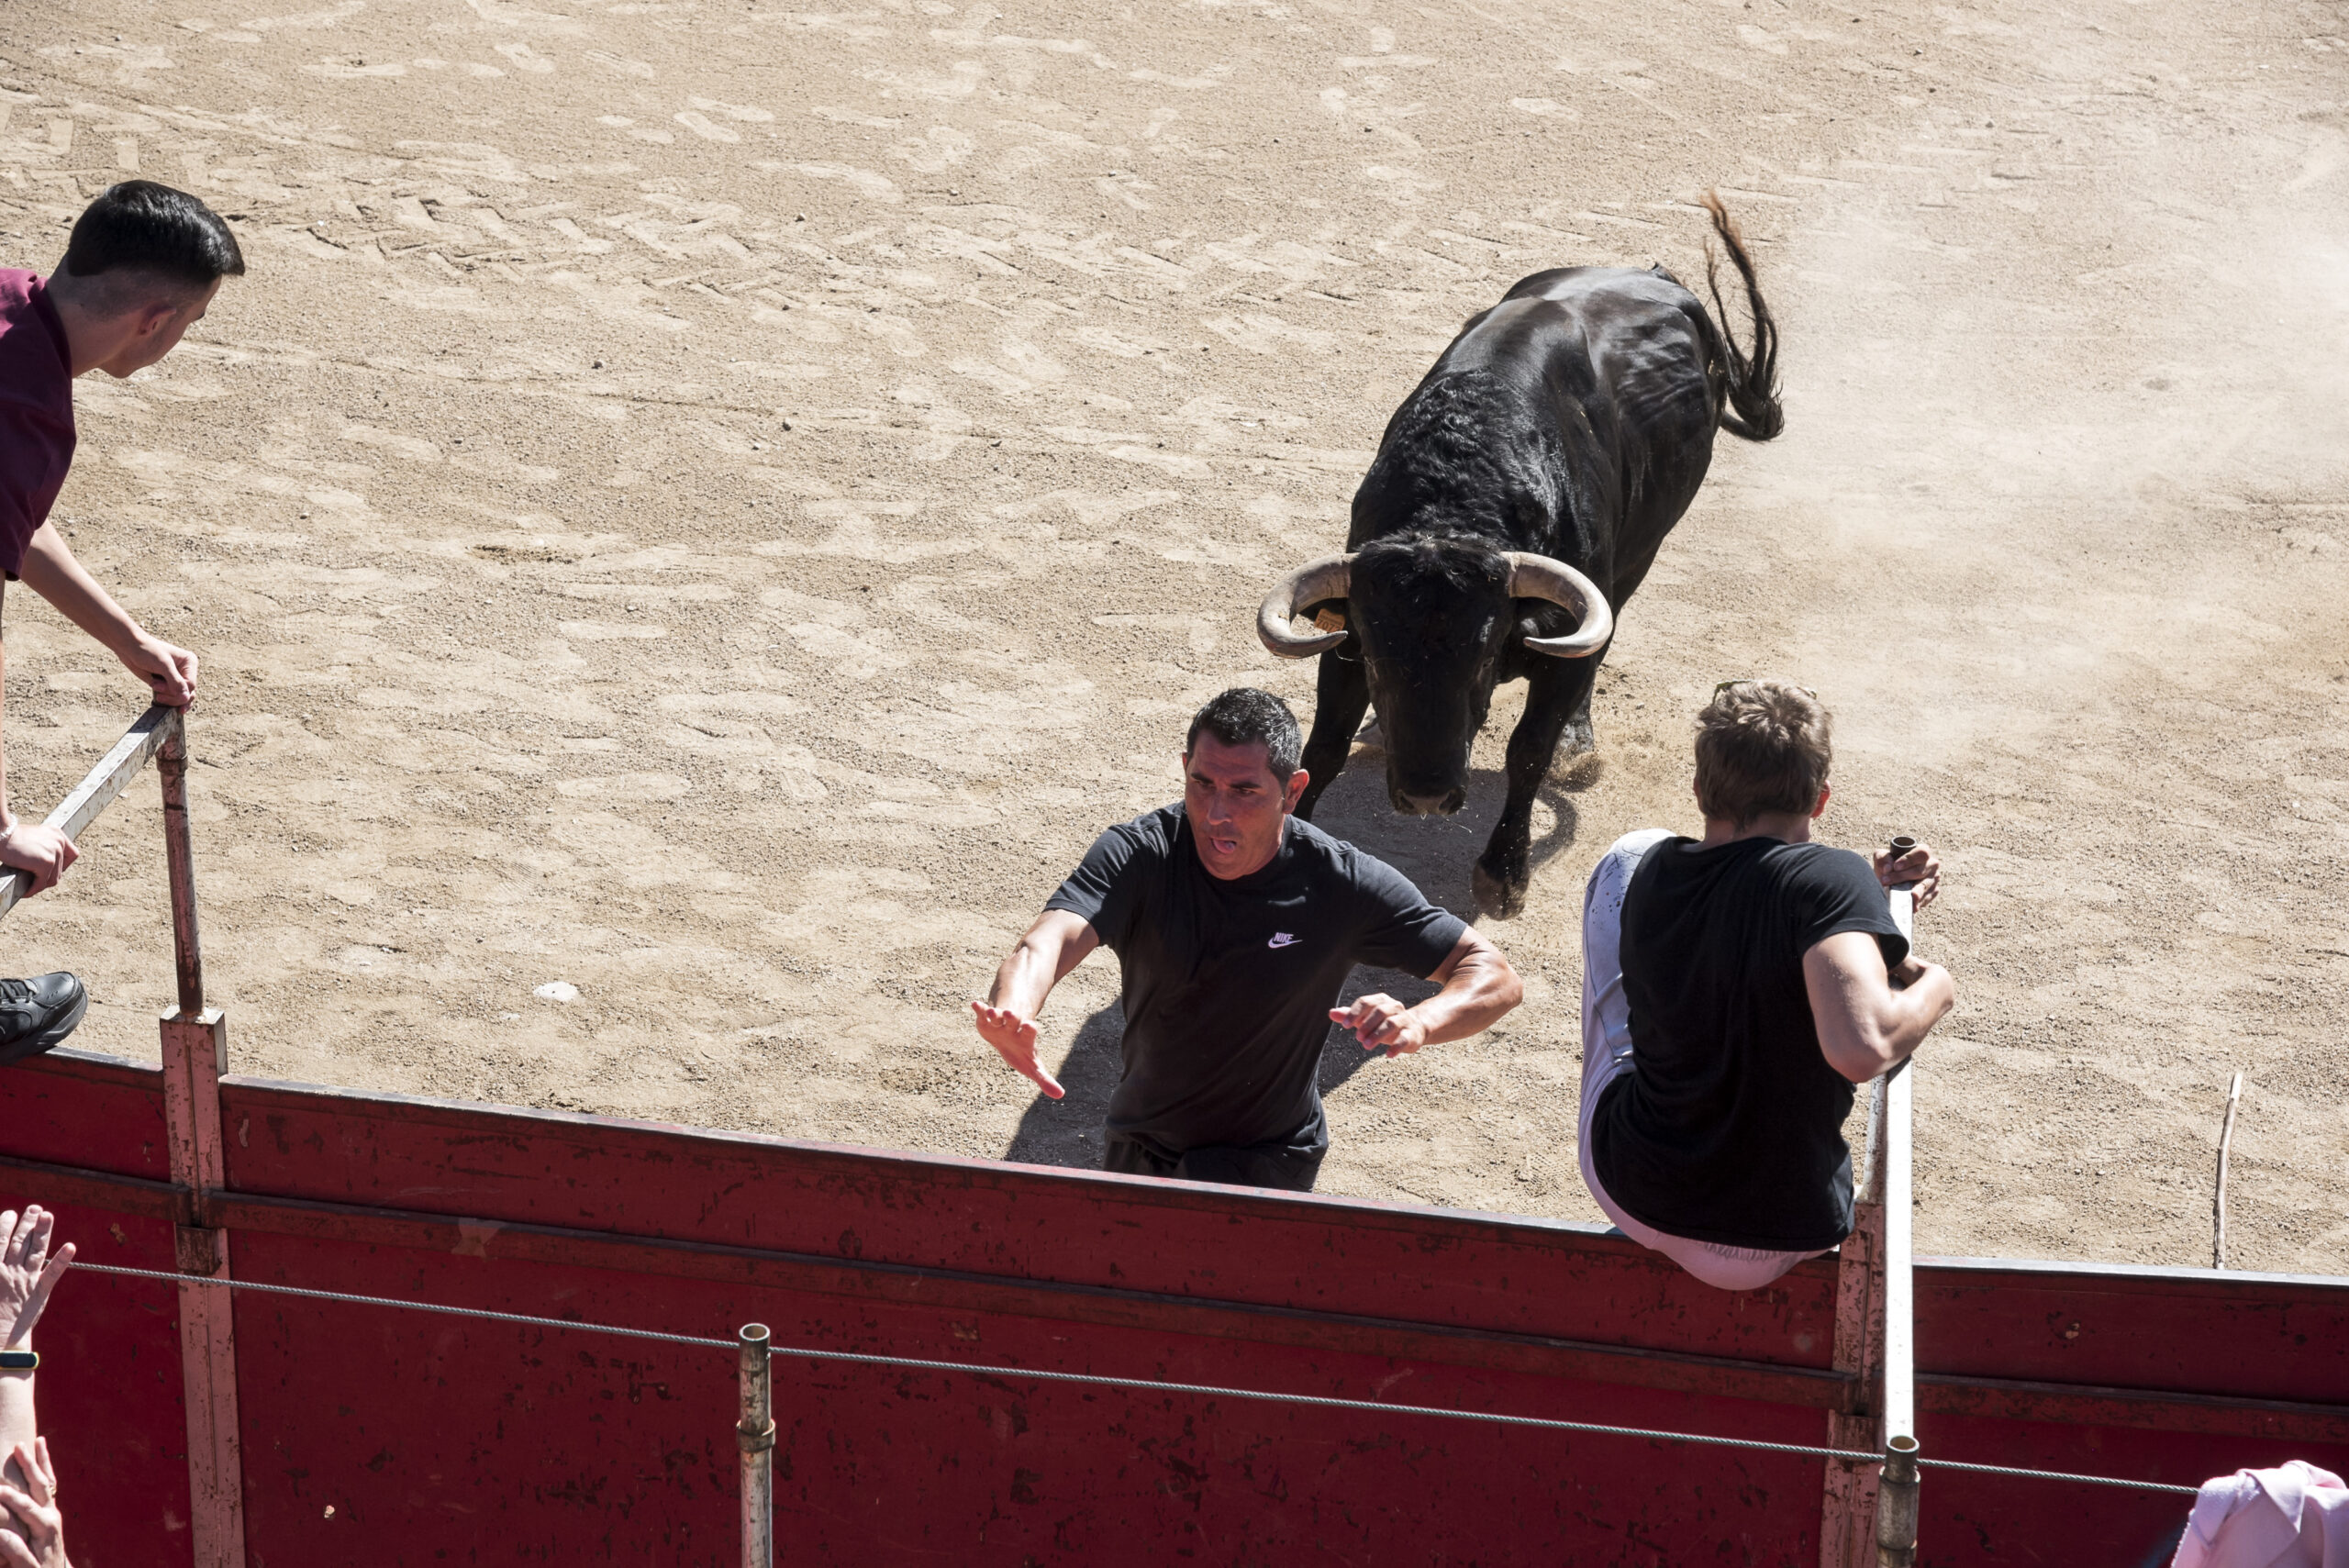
(1228, 985)
(1730, 1126)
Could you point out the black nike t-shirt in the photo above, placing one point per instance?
(1228, 985)
(1730, 1127)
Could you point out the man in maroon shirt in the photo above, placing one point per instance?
(143, 262)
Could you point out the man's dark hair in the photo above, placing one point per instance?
(1244, 715)
(1762, 746)
(141, 227)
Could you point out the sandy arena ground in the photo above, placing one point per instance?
(717, 505)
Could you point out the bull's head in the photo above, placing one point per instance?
(1432, 618)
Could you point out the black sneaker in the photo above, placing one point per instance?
(36, 1014)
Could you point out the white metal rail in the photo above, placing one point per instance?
(1897, 1500)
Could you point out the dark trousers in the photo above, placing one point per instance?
(1280, 1165)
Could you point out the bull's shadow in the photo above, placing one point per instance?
(1067, 1131)
(1438, 854)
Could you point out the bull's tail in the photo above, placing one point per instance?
(1754, 411)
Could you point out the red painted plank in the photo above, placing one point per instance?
(438, 1435)
(1026, 1222)
(985, 1296)
(2190, 1331)
(76, 1108)
(574, 1446)
(1987, 1520)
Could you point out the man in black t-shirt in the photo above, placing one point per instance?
(1734, 989)
(1235, 925)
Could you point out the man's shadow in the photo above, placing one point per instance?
(1068, 1131)
(1438, 854)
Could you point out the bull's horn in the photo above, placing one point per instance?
(1309, 584)
(1538, 577)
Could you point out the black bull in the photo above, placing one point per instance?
(1521, 491)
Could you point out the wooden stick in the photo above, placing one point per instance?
(2226, 1141)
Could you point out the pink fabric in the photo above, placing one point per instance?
(2295, 1517)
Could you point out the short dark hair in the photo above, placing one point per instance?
(1762, 746)
(1244, 715)
(139, 226)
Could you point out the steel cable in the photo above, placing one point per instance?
(405, 1306)
(2060, 1475)
(1155, 1385)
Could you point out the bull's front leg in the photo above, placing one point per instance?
(1557, 690)
(1340, 697)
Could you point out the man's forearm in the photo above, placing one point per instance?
(50, 569)
(1024, 981)
(1919, 1001)
(1481, 990)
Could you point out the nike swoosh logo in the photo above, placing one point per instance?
(1282, 939)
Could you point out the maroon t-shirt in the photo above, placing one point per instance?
(36, 411)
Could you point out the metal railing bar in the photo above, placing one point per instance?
(1900, 1273)
(156, 728)
(1898, 1484)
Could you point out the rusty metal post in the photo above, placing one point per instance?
(188, 949)
(1848, 1510)
(755, 1433)
(194, 1044)
(1895, 1508)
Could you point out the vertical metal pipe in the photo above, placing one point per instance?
(1896, 1506)
(1895, 1502)
(755, 1432)
(187, 949)
(1899, 1278)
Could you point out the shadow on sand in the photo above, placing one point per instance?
(1438, 854)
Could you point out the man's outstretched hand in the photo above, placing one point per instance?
(1382, 1023)
(1919, 865)
(169, 671)
(1014, 1039)
(28, 1271)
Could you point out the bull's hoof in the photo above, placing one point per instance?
(1501, 900)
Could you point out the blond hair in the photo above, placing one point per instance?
(1762, 747)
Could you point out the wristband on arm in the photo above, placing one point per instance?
(19, 1360)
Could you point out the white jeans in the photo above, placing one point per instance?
(1606, 1054)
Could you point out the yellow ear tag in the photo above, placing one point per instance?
(1329, 619)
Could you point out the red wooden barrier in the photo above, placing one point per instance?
(369, 1436)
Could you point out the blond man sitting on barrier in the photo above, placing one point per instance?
(1735, 987)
